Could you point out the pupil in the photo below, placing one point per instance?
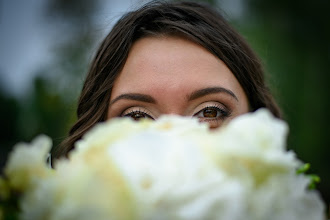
(210, 113)
(137, 116)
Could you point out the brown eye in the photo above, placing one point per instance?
(210, 113)
(137, 115)
(214, 115)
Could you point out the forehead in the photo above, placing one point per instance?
(171, 65)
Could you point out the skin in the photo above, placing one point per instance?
(172, 75)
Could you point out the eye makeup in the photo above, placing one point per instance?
(137, 113)
(213, 113)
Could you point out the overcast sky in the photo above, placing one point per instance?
(26, 40)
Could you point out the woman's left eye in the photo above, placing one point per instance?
(214, 115)
(210, 112)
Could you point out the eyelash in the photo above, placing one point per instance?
(221, 114)
(139, 111)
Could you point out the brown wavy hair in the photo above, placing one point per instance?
(197, 22)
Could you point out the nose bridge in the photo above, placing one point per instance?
(172, 111)
(173, 100)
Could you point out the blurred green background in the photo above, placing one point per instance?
(291, 37)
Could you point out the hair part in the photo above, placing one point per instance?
(194, 21)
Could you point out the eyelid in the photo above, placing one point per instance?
(209, 104)
(136, 109)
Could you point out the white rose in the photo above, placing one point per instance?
(27, 163)
(174, 179)
(252, 147)
(172, 168)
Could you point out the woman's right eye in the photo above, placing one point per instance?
(137, 115)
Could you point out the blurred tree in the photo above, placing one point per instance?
(9, 124)
(50, 107)
(292, 38)
(75, 37)
(44, 112)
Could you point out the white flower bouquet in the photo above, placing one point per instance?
(172, 168)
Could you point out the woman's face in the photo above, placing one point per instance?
(171, 75)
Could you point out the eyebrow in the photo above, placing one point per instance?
(211, 90)
(134, 96)
(195, 95)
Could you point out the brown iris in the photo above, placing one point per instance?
(210, 113)
(138, 115)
